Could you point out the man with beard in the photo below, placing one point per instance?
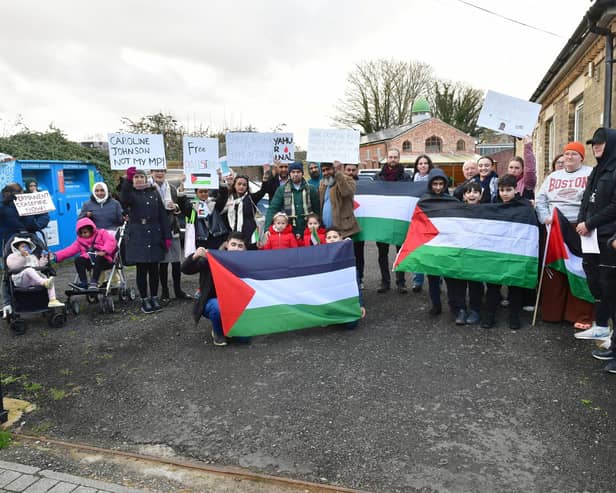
(314, 170)
(336, 193)
(296, 198)
(391, 171)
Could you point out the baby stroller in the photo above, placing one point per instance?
(30, 300)
(106, 290)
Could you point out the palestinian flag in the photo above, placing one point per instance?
(314, 237)
(262, 292)
(564, 254)
(496, 243)
(384, 209)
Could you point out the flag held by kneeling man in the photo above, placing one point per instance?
(263, 292)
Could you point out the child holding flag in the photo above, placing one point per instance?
(314, 234)
(507, 195)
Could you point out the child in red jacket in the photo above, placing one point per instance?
(280, 234)
(314, 234)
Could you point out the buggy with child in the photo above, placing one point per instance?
(27, 282)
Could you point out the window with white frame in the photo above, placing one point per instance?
(578, 121)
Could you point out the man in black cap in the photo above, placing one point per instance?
(296, 198)
(598, 212)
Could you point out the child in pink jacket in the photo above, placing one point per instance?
(94, 249)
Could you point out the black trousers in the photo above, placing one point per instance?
(145, 273)
(457, 297)
(83, 265)
(601, 275)
(383, 249)
(163, 274)
(358, 248)
(493, 297)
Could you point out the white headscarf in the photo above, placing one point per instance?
(104, 187)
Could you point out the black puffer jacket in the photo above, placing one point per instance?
(598, 208)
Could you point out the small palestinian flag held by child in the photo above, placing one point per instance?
(495, 243)
(384, 209)
(564, 254)
(314, 237)
(263, 292)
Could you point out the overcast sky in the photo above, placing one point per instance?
(84, 65)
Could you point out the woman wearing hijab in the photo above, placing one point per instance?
(105, 211)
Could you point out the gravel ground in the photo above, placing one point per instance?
(404, 403)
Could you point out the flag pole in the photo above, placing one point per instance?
(545, 254)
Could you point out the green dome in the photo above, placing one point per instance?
(420, 105)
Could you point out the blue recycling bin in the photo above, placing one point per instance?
(68, 182)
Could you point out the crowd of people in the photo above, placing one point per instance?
(305, 213)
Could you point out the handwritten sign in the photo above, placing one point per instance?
(508, 115)
(329, 145)
(143, 151)
(258, 148)
(29, 204)
(200, 162)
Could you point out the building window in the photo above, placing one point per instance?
(578, 120)
(434, 144)
(460, 145)
(406, 146)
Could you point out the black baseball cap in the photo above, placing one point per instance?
(599, 137)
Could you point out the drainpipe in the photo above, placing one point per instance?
(609, 50)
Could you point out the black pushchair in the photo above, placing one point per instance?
(31, 300)
(114, 285)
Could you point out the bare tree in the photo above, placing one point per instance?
(380, 94)
(457, 104)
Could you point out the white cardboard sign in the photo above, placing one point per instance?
(259, 148)
(508, 115)
(333, 144)
(143, 151)
(29, 204)
(200, 162)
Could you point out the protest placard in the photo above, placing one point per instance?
(143, 151)
(29, 204)
(329, 145)
(508, 115)
(200, 162)
(259, 148)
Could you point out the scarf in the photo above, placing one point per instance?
(391, 174)
(104, 187)
(164, 191)
(235, 212)
(289, 201)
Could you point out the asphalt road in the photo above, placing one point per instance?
(406, 402)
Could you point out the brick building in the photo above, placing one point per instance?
(447, 146)
(572, 93)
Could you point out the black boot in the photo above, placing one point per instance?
(146, 305)
(155, 303)
(488, 320)
(514, 321)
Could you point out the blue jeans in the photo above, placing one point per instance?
(211, 311)
(418, 279)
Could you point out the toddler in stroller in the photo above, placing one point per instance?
(27, 285)
(24, 267)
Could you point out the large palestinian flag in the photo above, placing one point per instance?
(564, 254)
(262, 292)
(496, 243)
(384, 209)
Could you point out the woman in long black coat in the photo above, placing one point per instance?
(147, 235)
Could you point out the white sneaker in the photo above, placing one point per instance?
(595, 332)
(54, 303)
(504, 303)
(528, 308)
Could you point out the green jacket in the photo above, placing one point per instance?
(297, 219)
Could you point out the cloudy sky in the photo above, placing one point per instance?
(84, 65)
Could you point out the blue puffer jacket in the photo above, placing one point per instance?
(107, 215)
